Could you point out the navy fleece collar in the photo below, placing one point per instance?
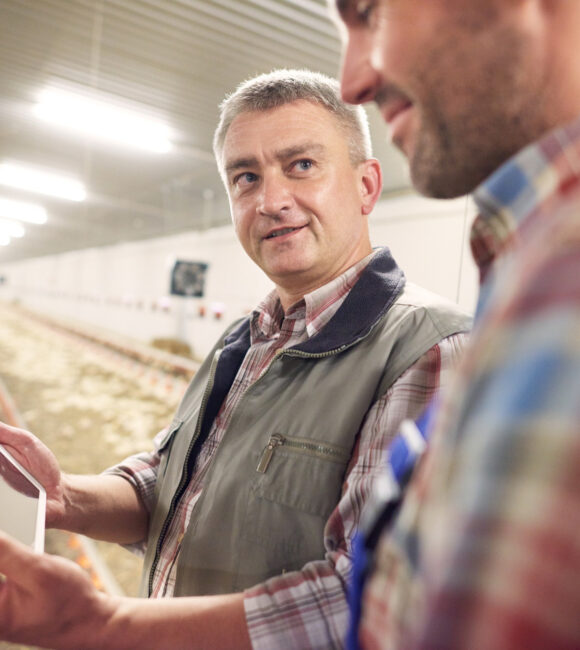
(377, 288)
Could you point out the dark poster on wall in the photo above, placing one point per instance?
(188, 278)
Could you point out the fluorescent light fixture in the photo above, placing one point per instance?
(20, 211)
(11, 228)
(98, 118)
(41, 182)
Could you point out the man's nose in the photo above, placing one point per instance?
(359, 79)
(274, 195)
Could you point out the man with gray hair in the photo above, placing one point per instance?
(248, 506)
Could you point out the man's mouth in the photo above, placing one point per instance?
(282, 231)
(393, 104)
(395, 110)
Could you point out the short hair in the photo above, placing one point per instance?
(281, 87)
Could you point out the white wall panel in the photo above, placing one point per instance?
(430, 241)
(125, 288)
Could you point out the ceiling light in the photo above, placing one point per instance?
(4, 240)
(36, 180)
(11, 228)
(101, 119)
(20, 211)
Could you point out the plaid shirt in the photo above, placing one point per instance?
(485, 552)
(305, 609)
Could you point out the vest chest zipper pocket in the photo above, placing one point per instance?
(301, 446)
(296, 484)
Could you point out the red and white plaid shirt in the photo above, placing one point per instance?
(306, 608)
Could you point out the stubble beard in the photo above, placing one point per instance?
(501, 111)
(448, 163)
(452, 158)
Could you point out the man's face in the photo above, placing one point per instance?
(457, 81)
(298, 204)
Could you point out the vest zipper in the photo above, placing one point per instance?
(185, 474)
(290, 352)
(301, 446)
(276, 439)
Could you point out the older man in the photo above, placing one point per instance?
(249, 504)
(484, 96)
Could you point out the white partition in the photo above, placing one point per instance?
(125, 288)
(430, 241)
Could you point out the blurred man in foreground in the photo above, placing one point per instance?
(483, 96)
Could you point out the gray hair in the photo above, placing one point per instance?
(280, 87)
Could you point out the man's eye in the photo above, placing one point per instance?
(245, 179)
(364, 11)
(303, 165)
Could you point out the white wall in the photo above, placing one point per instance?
(125, 288)
(430, 241)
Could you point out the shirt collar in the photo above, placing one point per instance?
(521, 187)
(316, 308)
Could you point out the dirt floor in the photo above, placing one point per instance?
(91, 406)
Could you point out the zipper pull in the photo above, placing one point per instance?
(276, 439)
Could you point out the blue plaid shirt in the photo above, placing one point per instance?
(485, 550)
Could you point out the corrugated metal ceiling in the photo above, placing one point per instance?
(174, 59)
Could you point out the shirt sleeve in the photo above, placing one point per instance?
(140, 470)
(308, 608)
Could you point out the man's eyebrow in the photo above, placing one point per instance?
(250, 162)
(299, 150)
(240, 163)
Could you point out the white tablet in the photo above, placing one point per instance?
(22, 503)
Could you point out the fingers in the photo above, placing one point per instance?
(17, 561)
(15, 477)
(17, 441)
(46, 600)
(32, 454)
(35, 572)
(8, 435)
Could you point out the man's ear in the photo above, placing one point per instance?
(371, 184)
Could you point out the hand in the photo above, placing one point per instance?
(37, 458)
(49, 601)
